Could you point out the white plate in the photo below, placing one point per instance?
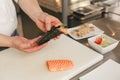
(92, 33)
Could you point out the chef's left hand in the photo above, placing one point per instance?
(26, 45)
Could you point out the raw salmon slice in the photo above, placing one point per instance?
(59, 65)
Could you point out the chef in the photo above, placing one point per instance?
(8, 24)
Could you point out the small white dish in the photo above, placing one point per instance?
(103, 50)
(92, 33)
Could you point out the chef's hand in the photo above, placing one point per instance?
(45, 21)
(26, 45)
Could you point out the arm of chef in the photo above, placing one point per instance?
(43, 20)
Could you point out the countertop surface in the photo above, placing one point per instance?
(111, 28)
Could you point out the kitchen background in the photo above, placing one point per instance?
(106, 18)
(107, 9)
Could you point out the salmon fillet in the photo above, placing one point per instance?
(59, 65)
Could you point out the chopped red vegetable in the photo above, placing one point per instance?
(98, 40)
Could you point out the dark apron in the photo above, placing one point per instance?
(14, 34)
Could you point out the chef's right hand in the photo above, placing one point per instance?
(45, 21)
(26, 45)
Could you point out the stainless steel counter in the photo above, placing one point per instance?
(111, 28)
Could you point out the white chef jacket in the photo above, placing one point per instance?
(8, 18)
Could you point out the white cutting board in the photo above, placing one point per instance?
(16, 65)
(110, 70)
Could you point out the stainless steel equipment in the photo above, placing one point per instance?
(68, 7)
(112, 8)
(87, 12)
(56, 5)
